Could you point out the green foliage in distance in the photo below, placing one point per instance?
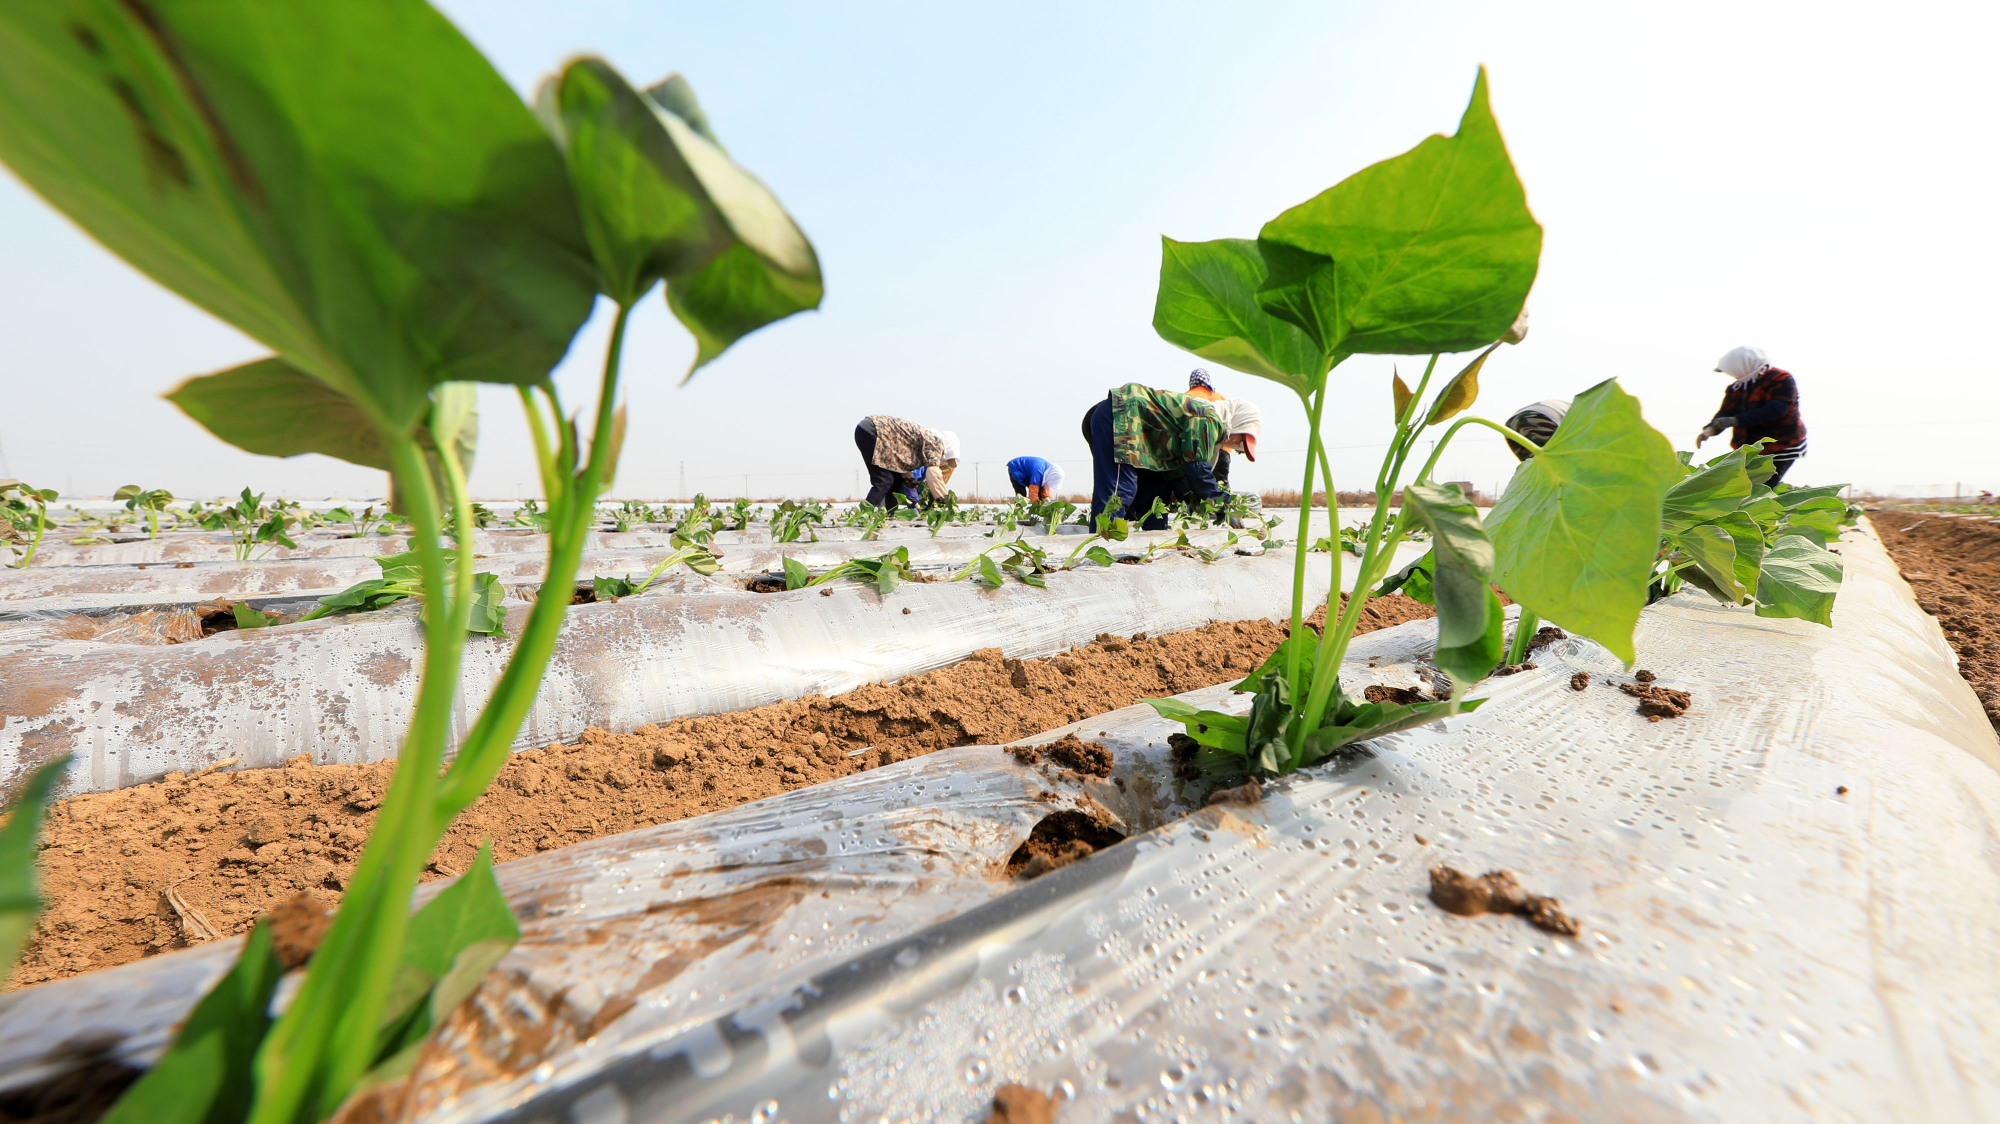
(149, 500)
(1724, 528)
(389, 227)
(1429, 252)
(24, 518)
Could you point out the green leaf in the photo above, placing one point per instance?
(453, 941)
(248, 617)
(1458, 395)
(272, 408)
(1431, 251)
(1413, 581)
(1469, 662)
(206, 1076)
(1374, 720)
(796, 574)
(1207, 304)
(662, 201)
(1578, 530)
(988, 573)
(1463, 561)
(1708, 493)
(1748, 540)
(385, 224)
(1799, 579)
(489, 616)
(1211, 728)
(20, 900)
(610, 589)
(1712, 552)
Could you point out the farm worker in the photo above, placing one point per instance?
(1034, 478)
(1537, 422)
(899, 452)
(1199, 386)
(1137, 429)
(1197, 483)
(1761, 404)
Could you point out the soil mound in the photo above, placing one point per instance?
(161, 866)
(1953, 566)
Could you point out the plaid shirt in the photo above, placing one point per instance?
(1161, 430)
(1765, 406)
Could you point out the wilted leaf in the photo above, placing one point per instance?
(1403, 394)
(1459, 394)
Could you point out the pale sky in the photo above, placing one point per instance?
(986, 187)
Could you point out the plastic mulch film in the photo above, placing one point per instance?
(1784, 909)
(341, 689)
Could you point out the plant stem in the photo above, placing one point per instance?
(325, 1040)
(486, 745)
(544, 457)
(1293, 644)
(1524, 631)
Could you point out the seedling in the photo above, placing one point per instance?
(882, 571)
(382, 280)
(24, 517)
(251, 524)
(402, 578)
(792, 519)
(1430, 252)
(1111, 527)
(697, 558)
(148, 500)
(1024, 560)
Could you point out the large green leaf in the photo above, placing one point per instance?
(1799, 579)
(1208, 304)
(1578, 530)
(1431, 251)
(274, 409)
(1462, 557)
(1712, 553)
(351, 183)
(20, 900)
(206, 1076)
(662, 201)
(1707, 493)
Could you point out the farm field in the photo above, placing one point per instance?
(1953, 565)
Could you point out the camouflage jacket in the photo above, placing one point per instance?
(1162, 430)
(904, 446)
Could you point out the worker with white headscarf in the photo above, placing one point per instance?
(1761, 404)
(1034, 477)
(901, 456)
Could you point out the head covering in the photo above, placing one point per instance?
(1743, 363)
(1537, 422)
(1052, 477)
(1245, 418)
(1199, 378)
(950, 442)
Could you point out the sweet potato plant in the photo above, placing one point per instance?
(355, 186)
(1427, 253)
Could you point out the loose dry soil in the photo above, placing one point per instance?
(156, 867)
(1954, 566)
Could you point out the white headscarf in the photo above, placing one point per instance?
(1052, 477)
(1743, 364)
(1244, 417)
(950, 442)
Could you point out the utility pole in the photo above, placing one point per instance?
(684, 480)
(4, 474)
(746, 485)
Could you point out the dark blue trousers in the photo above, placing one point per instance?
(1107, 477)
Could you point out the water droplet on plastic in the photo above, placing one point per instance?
(765, 1113)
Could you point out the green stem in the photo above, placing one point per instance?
(1293, 655)
(544, 456)
(325, 1040)
(486, 745)
(1524, 631)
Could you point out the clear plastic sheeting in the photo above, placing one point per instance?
(341, 690)
(1786, 900)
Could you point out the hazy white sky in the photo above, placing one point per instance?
(987, 185)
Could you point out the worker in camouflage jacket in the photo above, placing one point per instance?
(902, 457)
(1141, 435)
(1761, 404)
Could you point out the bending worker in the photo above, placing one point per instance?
(1537, 422)
(1034, 478)
(1200, 387)
(1761, 404)
(1140, 434)
(901, 455)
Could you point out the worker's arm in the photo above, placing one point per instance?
(1198, 482)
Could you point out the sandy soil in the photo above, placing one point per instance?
(144, 870)
(1954, 567)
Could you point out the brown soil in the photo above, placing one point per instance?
(1953, 565)
(1070, 752)
(1249, 792)
(1579, 681)
(155, 867)
(1497, 891)
(1018, 1104)
(1060, 839)
(1655, 702)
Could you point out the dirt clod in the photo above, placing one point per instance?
(1644, 676)
(1579, 681)
(1841, 791)
(1398, 696)
(1514, 668)
(1070, 752)
(1060, 839)
(297, 926)
(1545, 636)
(1249, 792)
(1018, 1104)
(1658, 702)
(1497, 891)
